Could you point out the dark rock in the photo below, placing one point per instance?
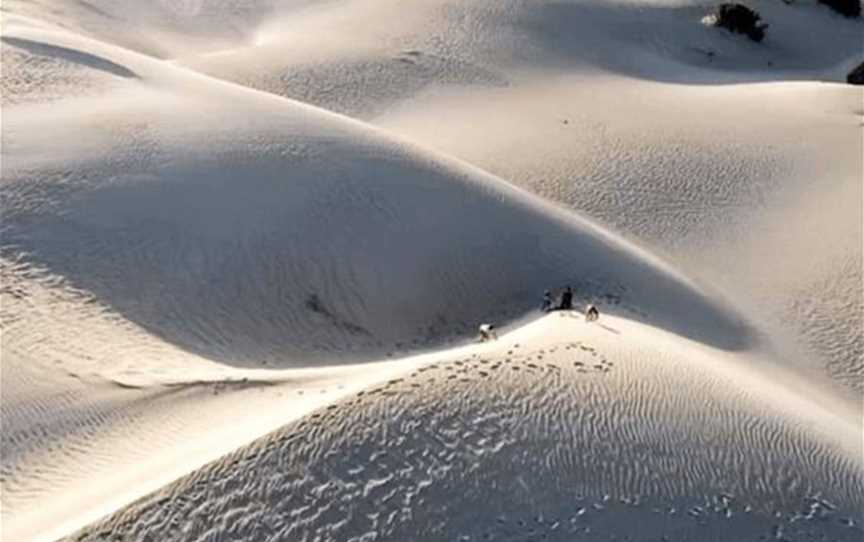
(856, 76)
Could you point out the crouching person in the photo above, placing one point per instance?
(487, 333)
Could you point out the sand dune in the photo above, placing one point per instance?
(564, 429)
(282, 219)
(225, 220)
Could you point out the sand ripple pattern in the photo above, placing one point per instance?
(573, 439)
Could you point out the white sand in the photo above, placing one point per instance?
(219, 217)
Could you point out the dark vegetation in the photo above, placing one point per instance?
(740, 19)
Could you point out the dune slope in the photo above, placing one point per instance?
(261, 223)
(561, 430)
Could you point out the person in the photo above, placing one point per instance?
(591, 314)
(487, 332)
(566, 300)
(547, 301)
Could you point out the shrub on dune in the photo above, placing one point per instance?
(849, 8)
(740, 19)
(856, 76)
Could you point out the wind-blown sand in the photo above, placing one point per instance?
(246, 246)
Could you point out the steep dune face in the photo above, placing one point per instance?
(266, 230)
(592, 122)
(743, 203)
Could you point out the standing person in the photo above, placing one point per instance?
(566, 300)
(547, 301)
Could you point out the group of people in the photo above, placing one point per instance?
(566, 304)
(487, 332)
